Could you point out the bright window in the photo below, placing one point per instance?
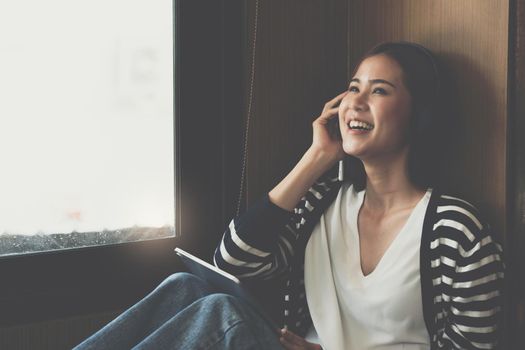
(86, 123)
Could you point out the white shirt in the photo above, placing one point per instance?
(350, 311)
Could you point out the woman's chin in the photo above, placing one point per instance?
(353, 151)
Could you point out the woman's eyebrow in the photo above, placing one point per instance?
(375, 81)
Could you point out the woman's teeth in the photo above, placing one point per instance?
(354, 124)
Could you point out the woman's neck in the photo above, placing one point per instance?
(388, 186)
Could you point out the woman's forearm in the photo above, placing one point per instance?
(289, 191)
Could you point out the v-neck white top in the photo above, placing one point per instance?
(382, 310)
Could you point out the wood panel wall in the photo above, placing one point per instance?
(300, 64)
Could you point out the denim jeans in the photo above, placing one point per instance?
(184, 313)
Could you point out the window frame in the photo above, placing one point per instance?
(209, 75)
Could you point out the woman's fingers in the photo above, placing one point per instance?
(292, 341)
(330, 104)
(336, 99)
(289, 345)
(329, 111)
(328, 114)
(292, 337)
(326, 130)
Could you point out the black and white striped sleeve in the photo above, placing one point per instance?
(262, 241)
(471, 287)
(258, 243)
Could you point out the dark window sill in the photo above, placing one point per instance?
(11, 244)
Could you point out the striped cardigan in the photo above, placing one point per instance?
(461, 263)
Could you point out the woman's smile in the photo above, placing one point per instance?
(359, 127)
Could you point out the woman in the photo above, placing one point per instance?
(381, 261)
(384, 260)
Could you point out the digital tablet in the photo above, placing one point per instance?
(222, 281)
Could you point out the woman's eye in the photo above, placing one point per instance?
(379, 90)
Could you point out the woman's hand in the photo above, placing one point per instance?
(325, 141)
(291, 341)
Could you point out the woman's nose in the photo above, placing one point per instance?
(357, 102)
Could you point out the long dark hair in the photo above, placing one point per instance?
(430, 120)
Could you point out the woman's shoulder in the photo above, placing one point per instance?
(453, 207)
(457, 220)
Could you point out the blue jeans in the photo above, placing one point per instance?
(183, 313)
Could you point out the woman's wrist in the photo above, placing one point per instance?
(323, 160)
(289, 191)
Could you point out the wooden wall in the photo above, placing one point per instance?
(300, 64)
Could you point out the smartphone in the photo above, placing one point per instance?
(333, 128)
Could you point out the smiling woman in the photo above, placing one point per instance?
(385, 259)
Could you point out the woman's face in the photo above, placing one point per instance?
(374, 114)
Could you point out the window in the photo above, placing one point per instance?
(209, 65)
(86, 123)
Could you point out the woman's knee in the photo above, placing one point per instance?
(222, 299)
(179, 277)
(180, 281)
